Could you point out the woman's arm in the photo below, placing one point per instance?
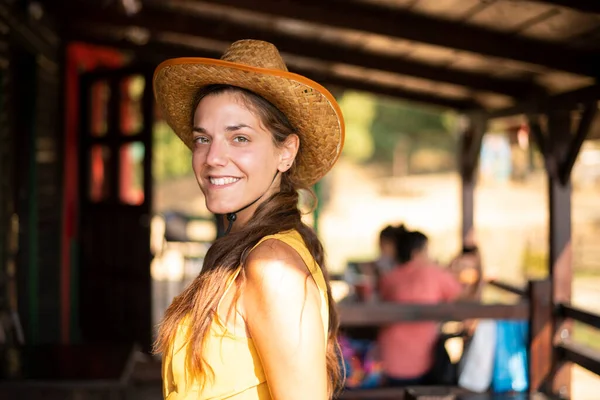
(282, 311)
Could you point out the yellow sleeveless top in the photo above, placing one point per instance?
(238, 372)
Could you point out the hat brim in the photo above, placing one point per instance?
(309, 107)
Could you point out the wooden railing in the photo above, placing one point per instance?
(581, 355)
(574, 352)
(534, 305)
(508, 287)
(580, 315)
(362, 315)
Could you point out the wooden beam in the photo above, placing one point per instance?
(31, 39)
(421, 28)
(158, 19)
(544, 104)
(405, 94)
(541, 141)
(581, 134)
(387, 313)
(160, 51)
(570, 99)
(154, 51)
(586, 6)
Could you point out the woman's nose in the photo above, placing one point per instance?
(217, 154)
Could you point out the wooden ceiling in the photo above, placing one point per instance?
(461, 54)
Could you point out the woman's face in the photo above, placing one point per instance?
(234, 156)
(387, 248)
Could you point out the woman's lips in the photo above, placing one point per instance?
(222, 181)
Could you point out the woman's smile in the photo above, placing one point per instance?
(221, 182)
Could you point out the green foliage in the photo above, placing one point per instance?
(172, 159)
(359, 111)
(414, 127)
(586, 335)
(535, 263)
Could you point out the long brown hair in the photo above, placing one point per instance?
(199, 301)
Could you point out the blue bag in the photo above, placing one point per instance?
(511, 359)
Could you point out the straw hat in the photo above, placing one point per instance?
(257, 66)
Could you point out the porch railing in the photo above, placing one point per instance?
(547, 351)
(574, 352)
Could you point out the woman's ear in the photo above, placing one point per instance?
(287, 152)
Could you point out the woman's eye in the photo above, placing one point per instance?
(201, 140)
(240, 139)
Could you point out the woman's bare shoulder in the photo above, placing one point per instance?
(277, 267)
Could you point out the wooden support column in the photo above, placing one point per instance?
(468, 208)
(560, 147)
(470, 146)
(540, 333)
(560, 251)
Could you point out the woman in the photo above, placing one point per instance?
(259, 321)
(407, 348)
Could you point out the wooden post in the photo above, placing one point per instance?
(468, 207)
(559, 260)
(560, 147)
(470, 146)
(561, 271)
(540, 333)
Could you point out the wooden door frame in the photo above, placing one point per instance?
(114, 140)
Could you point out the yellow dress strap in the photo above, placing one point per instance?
(293, 239)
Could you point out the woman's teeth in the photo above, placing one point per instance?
(223, 181)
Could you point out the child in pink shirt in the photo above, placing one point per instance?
(407, 348)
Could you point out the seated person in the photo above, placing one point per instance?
(467, 269)
(370, 273)
(406, 348)
(387, 250)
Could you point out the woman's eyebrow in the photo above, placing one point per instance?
(198, 129)
(237, 127)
